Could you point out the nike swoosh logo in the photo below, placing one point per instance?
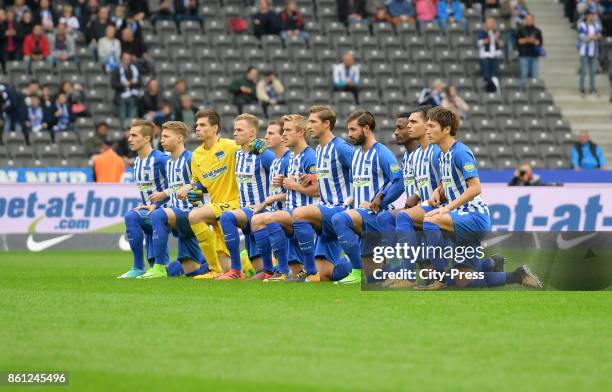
(124, 245)
(496, 240)
(34, 246)
(567, 244)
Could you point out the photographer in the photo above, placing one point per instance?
(524, 176)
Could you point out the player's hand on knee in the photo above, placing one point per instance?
(258, 146)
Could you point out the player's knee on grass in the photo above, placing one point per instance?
(325, 269)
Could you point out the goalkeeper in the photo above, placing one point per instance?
(212, 168)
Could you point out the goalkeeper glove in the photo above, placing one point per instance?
(258, 146)
(195, 195)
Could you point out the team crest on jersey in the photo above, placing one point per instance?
(395, 168)
(219, 155)
(313, 169)
(468, 167)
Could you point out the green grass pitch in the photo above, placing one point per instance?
(66, 311)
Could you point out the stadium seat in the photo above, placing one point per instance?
(319, 97)
(532, 124)
(327, 15)
(381, 70)
(41, 138)
(101, 109)
(549, 112)
(414, 43)
(213, 69)
(40, 68)
(277, 111)
(188, 68)
(500, 112)
(45, 152)
(383, 29)
(179, 54)
(309, 69)
(404, 69)
(21, 152)
(3, 153)
(405, 31)
(389, 43)
(66, 138)
(15, 69)
(165, 27)
(190, 27)
(13, 140)
(72, 152)
(342, 44)
(271, 42)
(222, 42)
(254, 109)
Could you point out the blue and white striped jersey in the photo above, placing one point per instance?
(426, 165)
(334, 172)
(373, 170)
(304, 162)
(588, 47)
(179, 174)
(456, 166)
(278, 168)
(150, 176)
(252, 175)
(408, 174)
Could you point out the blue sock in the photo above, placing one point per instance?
(159, 221)
(200, 271)
(175, 268)
(486, 265)
(262, 240)
(342, 269)
(406, 234)
(491, 279)
(433, 237)
(386, 223)
(279, 242)
(135, 237)
(305, 235)
(349, 241)
(229, 225)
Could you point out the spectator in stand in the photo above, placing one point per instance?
(86, 11)
(108, 166)
(587, 155)
(75, 97)
(6, 108)
(243, 89)
(346, 76)
(163, 114)
(62, 45)
(35, 118)
(606, 18)
(187, 10)
(45, 16)
(137, 48)
(126, 82)
(377, 11)
(163, 13)
(2, 40)
(118, 19)
(453, 101)
(589, 34)
(351, 11)
(96, 28)
(180, 89)
(524, 176)
(48, 106)
(26, 25)
(425, 11)
(269, 91)
(490, 51)
(133, 24)
(292, 22)
(432, 96)
(450, 11)
(138, 8)
(513, 14)
(109, 49)
(36, 47)
(72, 22)
(11, 47)
(93, 144)
(187, 111)
(20, 7)
(401, 11)
(62, 116)
(148, 104)
(266, 21)
(530, 41)
(124, 151)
